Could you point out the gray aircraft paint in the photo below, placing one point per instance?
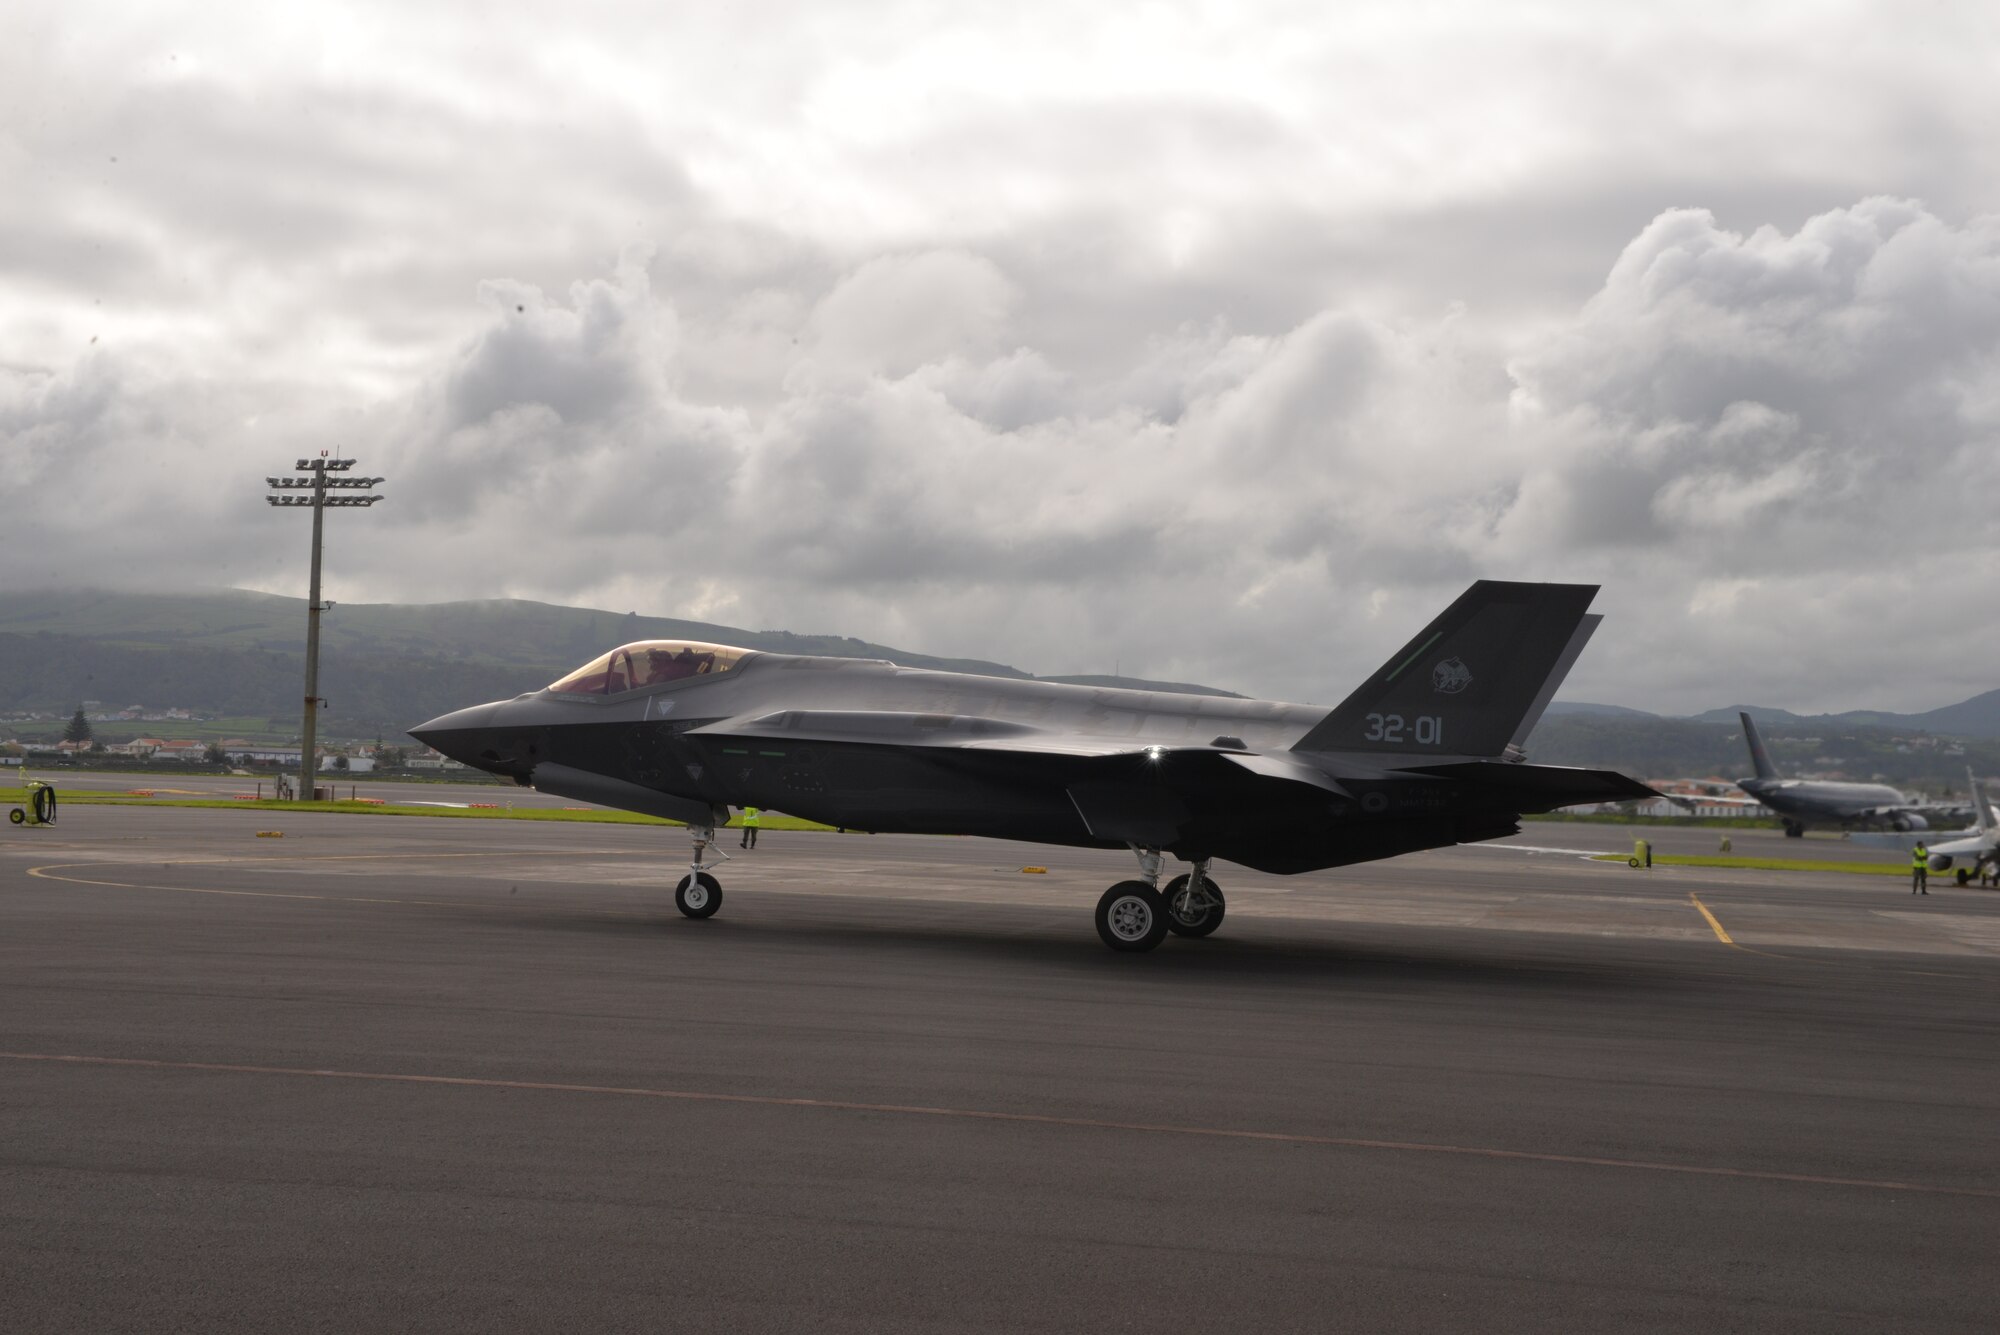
(1807, 803)
(1419, 756)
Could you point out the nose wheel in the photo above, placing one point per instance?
(698, 895)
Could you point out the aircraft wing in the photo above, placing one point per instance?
(1689, 803)
(965, 732)
(969, 733)
(1535, 787)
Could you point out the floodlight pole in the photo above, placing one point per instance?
(309, 743)
(319, 485)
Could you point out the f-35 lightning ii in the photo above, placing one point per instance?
(1425, 753)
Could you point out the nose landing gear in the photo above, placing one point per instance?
(699, 894)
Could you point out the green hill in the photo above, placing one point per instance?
(383, 666)
(499, 630)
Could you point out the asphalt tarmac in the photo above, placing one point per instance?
(408, 1074)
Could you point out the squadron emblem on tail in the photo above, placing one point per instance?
(1450, 677)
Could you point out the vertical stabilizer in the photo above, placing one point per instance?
(1982, 814)
(1570, 653)
(1464, 685)
(1760, 759)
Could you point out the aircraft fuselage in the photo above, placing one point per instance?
(1810, 802)
(1424, 753)
(899, 763)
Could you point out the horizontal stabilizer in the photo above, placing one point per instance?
(1542, 787)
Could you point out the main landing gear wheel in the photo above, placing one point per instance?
(1131, 916)
(1794, 830)
(1198, 918)
(1964, 875)
(698, 895)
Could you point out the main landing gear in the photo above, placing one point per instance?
(1136, 915)
(699, 895)
(1794, 830)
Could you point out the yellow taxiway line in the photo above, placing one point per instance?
(1713, 922)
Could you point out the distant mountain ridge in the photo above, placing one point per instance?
(1976, 717)
(494, 630)
(384, 666)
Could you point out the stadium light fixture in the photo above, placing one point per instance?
(316, 483)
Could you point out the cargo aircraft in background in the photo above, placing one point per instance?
(1805, 803)
(1426, 753)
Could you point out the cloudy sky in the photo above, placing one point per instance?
(1220, 342)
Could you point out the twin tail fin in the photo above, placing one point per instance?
(1471, 683)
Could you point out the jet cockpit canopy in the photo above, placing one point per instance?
(649, 663)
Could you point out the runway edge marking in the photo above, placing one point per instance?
(1026, 1119)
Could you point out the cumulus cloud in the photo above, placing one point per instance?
(1809, 417)
(1747, 436)
(1226, 350)
(900, 312)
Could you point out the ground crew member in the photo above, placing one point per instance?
(751, 815)
(1920, 869)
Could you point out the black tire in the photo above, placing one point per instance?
(1964, 875)
(17, 815)
(698, 896)
(1794, 831)
(1207, 917)
(1131, 916)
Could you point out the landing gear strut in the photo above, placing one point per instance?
(699, 895)
(1135, 915)
(1194, 903)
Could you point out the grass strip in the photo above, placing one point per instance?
(1678, 822)
(592, 815)
(1765, 864)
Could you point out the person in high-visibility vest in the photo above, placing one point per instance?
(751, 815)
(1920, 869)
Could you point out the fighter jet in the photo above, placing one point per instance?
(1975, 850)
(1801, 803)
(1427, 752)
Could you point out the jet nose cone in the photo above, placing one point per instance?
(461, 734)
